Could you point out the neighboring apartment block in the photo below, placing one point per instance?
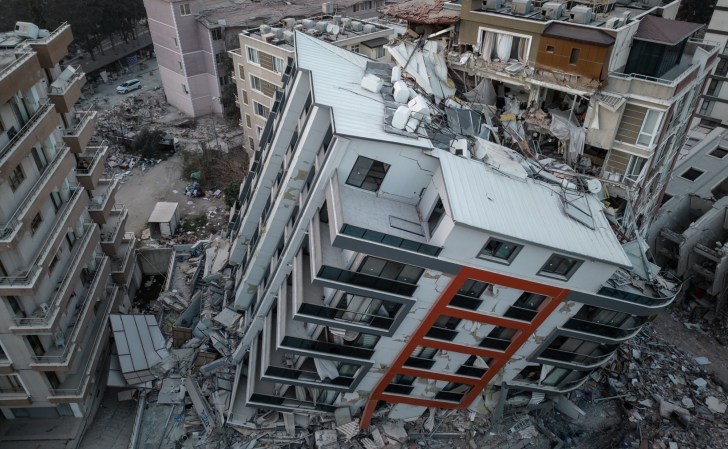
(65, 260)
(625, 77)
(713, 110)
(263, 55)
(191, 38)
(406, 265)
(690, 234)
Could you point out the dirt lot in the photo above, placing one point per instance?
(161, 182)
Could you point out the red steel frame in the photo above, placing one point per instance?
(555, 296)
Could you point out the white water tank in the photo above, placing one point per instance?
(356, 26)
(369, 28)
(289, 22)
(321, 26)
(581, 14)
(401, 92)
(288, 36)
(493, 4)
(552, 10)
(401, 115)
(26, 29)
(264, 29)
(521, 7)
(372, 83)
(346, 22)
(308, 23)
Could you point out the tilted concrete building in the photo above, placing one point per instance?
(399, 264)
(713, 109)
(65, 260)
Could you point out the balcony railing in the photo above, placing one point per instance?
(9, 228)
(367, 281)
(575, 358)
(416, 362)
(449, 396)
(120, 263)
(331, 313)
(466, 302)
(441, 333)
(63, 284)
(99, 201)
(22, 55)
(93, 156)
(471, 371)
(399, 389)
(602, 330)
(327, 348)
(390, 240)
(44, 108)
(291, 403)
(108, 233)
(82, 118)
(59, 88)
(499, 344)
(309, 376)
(520, 313)
(28, 276)
(87, 304)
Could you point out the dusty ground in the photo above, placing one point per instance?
(162, 182)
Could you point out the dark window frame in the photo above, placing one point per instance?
(492, 254)
(559, 273)
(372, 176)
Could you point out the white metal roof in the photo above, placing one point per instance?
(163, 212)
(337, 75)
(524, 209)
(140, 345)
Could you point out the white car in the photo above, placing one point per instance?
(128, 86)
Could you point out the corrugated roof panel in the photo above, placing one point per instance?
(524, 209)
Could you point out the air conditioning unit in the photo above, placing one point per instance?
(327, 8)
(278, 32)
(612, 23)
(493, 4)
(264, 29)
(521, 7)
(289, 22)
(288, 36)
(552, 10)
(581, 14)
(346, 22)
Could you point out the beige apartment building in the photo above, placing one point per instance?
(261, 60)
(65, 260)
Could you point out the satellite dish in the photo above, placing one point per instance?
(335, 30)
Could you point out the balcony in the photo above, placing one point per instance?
(79, 131)
(39, 126)
(68, 341)
(16, 397)
(103, 200)
(91, 351)
(112, 232)
(90, 166)
(123, 263)
(66, 90)
(53, 175)
(6, 366)
(575, 359)
(45, 319)
(20, 74)
(442, 333)
(54, 47)
(602, 330)
(25, 281)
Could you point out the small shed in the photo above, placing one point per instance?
(164, 219)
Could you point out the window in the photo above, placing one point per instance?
(713, 88)
(367, 174)
(10, 383)
(219, 58)
(261, 110)
(216, 34)
(251, 143)
(650, 127)
(435, 216)
(258, 131)
(526, 307)
(550, 49)
(248, 121)
(401, 384)
(499, 251)
(184, 9)
(15, 306)
(691, 174)
(184, 89)
(354, 48)
(35, 224)
(71, 239)
(279, 65)
(245, 96)
(387, 269)
(380, 52)
(574, 57)
(223, 80)
(256, 83)
(40, 159)
(421, 357)
(560, 267)
(634, 169)
(241, 72)
(473, 288)
(706, 107)
(16, 178)
(53, 263)
(174, 41)
(253, 55)
(719, 152)
(499, 338)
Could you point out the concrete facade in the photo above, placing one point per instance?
(713, 109)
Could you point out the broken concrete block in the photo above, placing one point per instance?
(567, 407)
(700, 383)
(326, 439)
(342, 415)
(702, 361)
(715, 405)
(667, 408)
(687, 402)
(377, 438)
(395, 431)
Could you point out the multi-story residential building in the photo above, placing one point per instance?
(263, 54)
(65, 260)
(690, 234)
(627, 77)
(191, 38)
(379, 262)
(713, 109)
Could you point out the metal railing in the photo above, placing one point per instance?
(52, 35)
(63, 284)
(367, 281)
(118, 264)
(99, 205)
(327, 348)
(574, 357)
(81, 120)
(108, 236)
(390, 240)
(13, 224)
(307, 376)
(61, 89)
(332, 313)
(603, 330)
(26, 53)
(44, 107)
(87, 303)
(29, 274)
(95, 157)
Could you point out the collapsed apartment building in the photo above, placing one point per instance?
(399, 242)
(262, 56)
(690, 233)
(66, 262)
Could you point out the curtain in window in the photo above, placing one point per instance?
(503, 47)
(487, 46)
(522, 49)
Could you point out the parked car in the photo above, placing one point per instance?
(128, 86)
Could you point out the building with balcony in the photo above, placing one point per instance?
(622, 80)
(191, 38)
(57, 239)
(690, 234)
(418, 266)
(713, 109)
(263, 55)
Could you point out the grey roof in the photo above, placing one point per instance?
(666, 31)
(163, 212)
(247, 13)
(579, 34)
(374, 43)
(140, 345)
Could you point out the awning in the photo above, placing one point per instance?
(374, 43)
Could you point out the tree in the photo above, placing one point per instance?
(148, 142)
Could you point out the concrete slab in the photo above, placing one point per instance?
(113, 424)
